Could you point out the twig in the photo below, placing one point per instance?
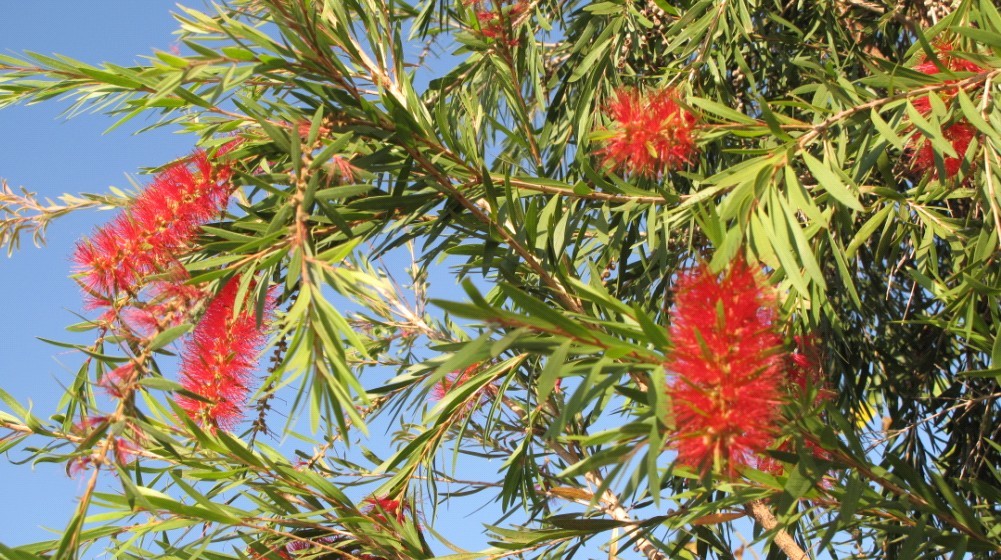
(764, 516)
(609, 503)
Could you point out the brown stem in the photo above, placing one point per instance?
(764, 516)
(610, 504)
(821, 127)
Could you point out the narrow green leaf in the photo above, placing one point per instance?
(554, 366)
(831, 183)
(168, 336)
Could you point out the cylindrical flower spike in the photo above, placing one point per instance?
(728, 369)
(161, 223)
(959, 134)
(220, 357)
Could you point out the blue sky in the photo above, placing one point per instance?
(50, 155)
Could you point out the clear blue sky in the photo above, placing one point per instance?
(49, 155)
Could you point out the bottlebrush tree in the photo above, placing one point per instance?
(724, 282)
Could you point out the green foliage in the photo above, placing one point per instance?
(373, 128)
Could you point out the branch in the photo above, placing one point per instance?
(764, 516)
(821, 127)
(24, 213)
(609, 503)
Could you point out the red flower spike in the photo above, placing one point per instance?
(651, 133)
(343, 168)
(459, 378)
(168, 304)
(959, 134)
(947, 60)
(84, 426)
(378, 505)
(495, 22)
(922, 156)
(124, 449)
(116, 382)
(452, 380)
(219, 358)
(78, 465)
(159, 225)
(728, 369)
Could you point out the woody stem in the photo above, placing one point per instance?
(764, 516)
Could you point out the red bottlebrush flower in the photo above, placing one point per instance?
(84, 426)
(377, 506)
(947, 60)
(160, 224)
(113, 259)
(728, 369)
(168, 304)
(650, 133)
(805, 370)
(116, 382)
(959, 134)
(490, 26)
(497, 22)
(78, 465)
(459, 378)
(219, 358)
(452, 380)
(922, 156)
(123, 449)
(342, 168)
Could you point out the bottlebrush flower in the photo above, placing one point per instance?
(155, 228)
(124, 448)
(452, 380)
(459, 378)
(377, 506)
(921, 156)
(341, 168)
(220, 357)
(947, 60)
(728, 369)
(168, 304)
(650, 133)
(118, 382)
(497, 22)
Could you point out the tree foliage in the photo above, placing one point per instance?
(572, 164)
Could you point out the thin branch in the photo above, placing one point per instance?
(609, 503)
(764, 516)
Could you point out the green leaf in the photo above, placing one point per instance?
(721, 110)
(168, 336)
(830, 182)
(550, 373)
(979, 35)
